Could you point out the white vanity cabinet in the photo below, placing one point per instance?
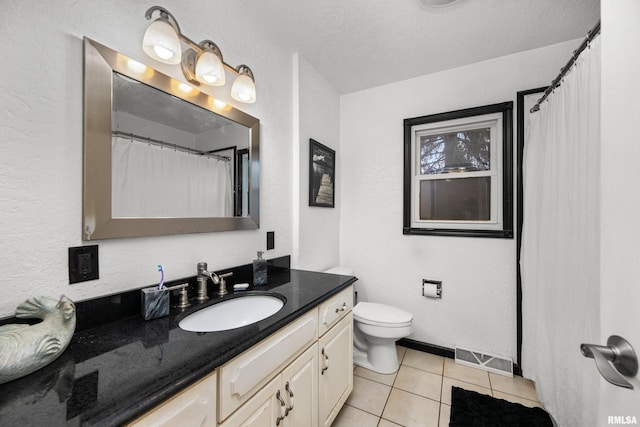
(288, 400)
(335, 347)
(298, 377)
(195, 406)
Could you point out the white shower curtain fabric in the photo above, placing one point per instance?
(560, 242)
(157, 182)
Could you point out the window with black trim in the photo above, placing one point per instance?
(458, 173)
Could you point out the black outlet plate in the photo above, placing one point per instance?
(271, 240)
(83, 264)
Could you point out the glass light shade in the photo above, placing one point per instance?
(244, 89)
(162, 43)
(209, 69)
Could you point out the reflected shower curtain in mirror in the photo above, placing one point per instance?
(157, 182)
(561, 245)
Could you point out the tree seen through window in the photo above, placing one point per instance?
(461, 151)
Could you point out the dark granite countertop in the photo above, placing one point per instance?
(114, 372)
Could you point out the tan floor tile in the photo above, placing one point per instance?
(425, 361)
(368, 395)
(445, 415)
(350, 416)
(410, 410)
(419, 382)
(466, 373)
(401, 352)
(387, 423)
(516, 386)
(517, 399)
(387, 379)
(447, 383)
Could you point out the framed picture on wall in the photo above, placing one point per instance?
(322, 175)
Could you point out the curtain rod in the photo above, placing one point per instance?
(564, 70)
(160, 143)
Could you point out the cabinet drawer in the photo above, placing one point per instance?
(241, 377)
(334, 309)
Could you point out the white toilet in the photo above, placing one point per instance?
(377, 327)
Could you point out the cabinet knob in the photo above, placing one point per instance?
(343, 308)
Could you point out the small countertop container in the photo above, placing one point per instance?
(154, 303)
(112, 373)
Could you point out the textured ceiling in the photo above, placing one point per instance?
(358, 44)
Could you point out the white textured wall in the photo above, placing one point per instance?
(317, 115)
(478, 309)
(41, 144)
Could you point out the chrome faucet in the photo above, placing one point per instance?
(203, 274)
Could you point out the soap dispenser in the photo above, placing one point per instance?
(259, 270)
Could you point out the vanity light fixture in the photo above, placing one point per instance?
(201, 63)
(161, 40)
(209, 68)
(244, 88)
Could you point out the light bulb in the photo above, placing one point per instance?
(244, 95)
(162, 52)
(136, 67)
(183, 87)
(219, 104)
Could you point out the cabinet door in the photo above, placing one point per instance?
(300, 387)
(193, 407)
(336, 369)
(265, 409)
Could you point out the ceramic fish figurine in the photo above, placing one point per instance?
(26, 348)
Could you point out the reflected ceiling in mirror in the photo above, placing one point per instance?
(161, 157)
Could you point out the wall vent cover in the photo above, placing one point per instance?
(489, 362)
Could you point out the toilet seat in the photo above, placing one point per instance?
(371, 313)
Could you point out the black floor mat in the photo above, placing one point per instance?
(471, 409)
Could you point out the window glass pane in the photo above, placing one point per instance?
(460, 151)
(462, 199)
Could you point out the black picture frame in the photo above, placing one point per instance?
(506, 109)
(322, 175)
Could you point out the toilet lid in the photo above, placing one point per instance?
(381, 315)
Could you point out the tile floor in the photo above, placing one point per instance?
(419, 394)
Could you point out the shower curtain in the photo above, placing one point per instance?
(560, 242)
(155, 182)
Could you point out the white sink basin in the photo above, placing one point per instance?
(233, 313)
